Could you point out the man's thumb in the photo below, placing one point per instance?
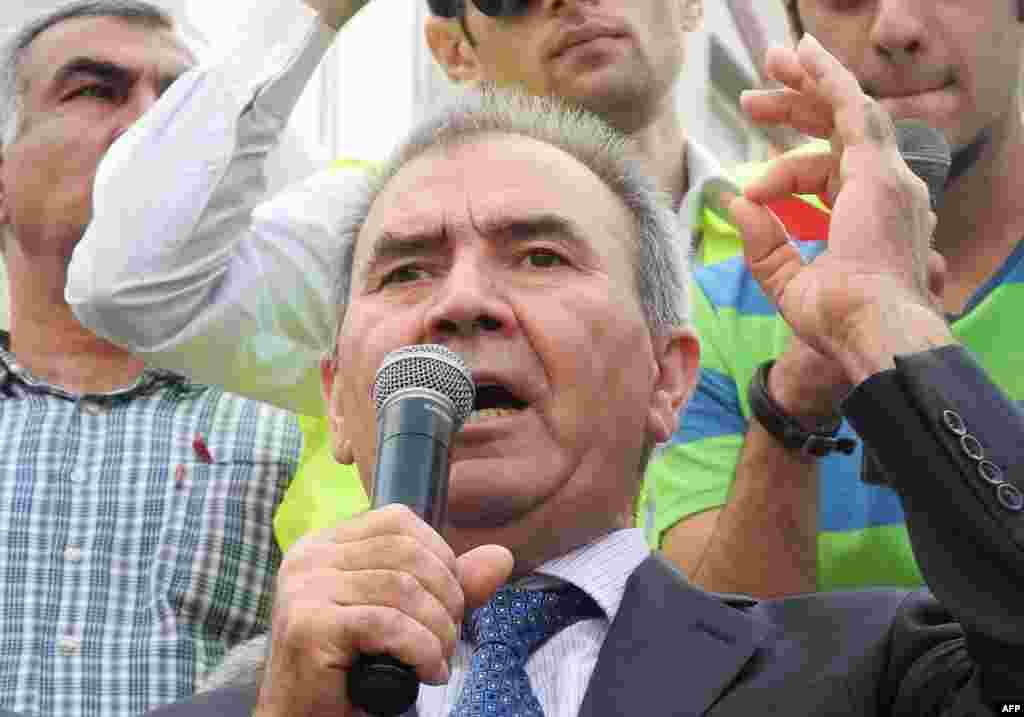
(483, 570)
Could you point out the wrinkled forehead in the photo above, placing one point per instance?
(489, 179)
(135, 43)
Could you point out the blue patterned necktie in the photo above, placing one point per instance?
(504, 633)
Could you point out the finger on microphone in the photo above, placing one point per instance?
(483, 570)
(381, 630)
(394, 554)
(396, 590)
(392, 519)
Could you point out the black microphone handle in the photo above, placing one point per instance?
(414, 474)
(927, 153)
(412, 469)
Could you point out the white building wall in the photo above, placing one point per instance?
(720, 128)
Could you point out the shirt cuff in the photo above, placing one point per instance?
(291, 63)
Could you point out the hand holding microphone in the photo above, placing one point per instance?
(367, 609)
(423, 396)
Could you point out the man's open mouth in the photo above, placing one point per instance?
(494, 401)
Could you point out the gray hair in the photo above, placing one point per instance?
(662, 247)
(14, 50)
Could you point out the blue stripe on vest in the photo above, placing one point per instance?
(845, 503)
(713, 411)
(729, 283)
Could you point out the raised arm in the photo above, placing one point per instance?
(754, 527)
(186, 263)
(946, 438)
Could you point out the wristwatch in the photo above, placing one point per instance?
(786, 430)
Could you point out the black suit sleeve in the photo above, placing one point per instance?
(950, 443)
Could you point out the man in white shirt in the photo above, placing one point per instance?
(518, 238)
(235, 292)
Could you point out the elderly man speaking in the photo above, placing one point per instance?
(513, 234)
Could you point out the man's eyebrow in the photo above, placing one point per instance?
(520, 228)
(506, 229)
(397, 245)
(108, 71)
(101, 69)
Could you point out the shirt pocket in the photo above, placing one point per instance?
(217, 557)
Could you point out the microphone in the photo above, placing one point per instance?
(423, 395)
(927, 153)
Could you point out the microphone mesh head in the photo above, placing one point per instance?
(428, 366)
(926, 152)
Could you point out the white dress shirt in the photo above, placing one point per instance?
(179, 267)
(560, 669)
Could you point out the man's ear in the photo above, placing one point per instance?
(677, 353)
(693, 14)
(452, 50)
(341, 443)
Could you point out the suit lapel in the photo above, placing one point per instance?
(671, 650)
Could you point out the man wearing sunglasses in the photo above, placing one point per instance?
(240, 298)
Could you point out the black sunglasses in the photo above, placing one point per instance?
(494, 8)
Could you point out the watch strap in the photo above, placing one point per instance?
(786, 430)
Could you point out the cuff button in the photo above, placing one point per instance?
(954, 423)
(972, 447)
(1010, 497)
(990, 472)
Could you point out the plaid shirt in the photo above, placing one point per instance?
(136, 542)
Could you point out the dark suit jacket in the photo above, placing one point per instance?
(676, 650)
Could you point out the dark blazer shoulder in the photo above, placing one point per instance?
(676, 650)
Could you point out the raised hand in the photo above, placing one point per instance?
(871, 294)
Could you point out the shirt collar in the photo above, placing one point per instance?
(11, 369)
(600, 568)
(703, 171)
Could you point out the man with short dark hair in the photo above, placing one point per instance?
(520, 240)
(136, 543)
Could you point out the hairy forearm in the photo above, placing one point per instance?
(890, 330)
(765, 539)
